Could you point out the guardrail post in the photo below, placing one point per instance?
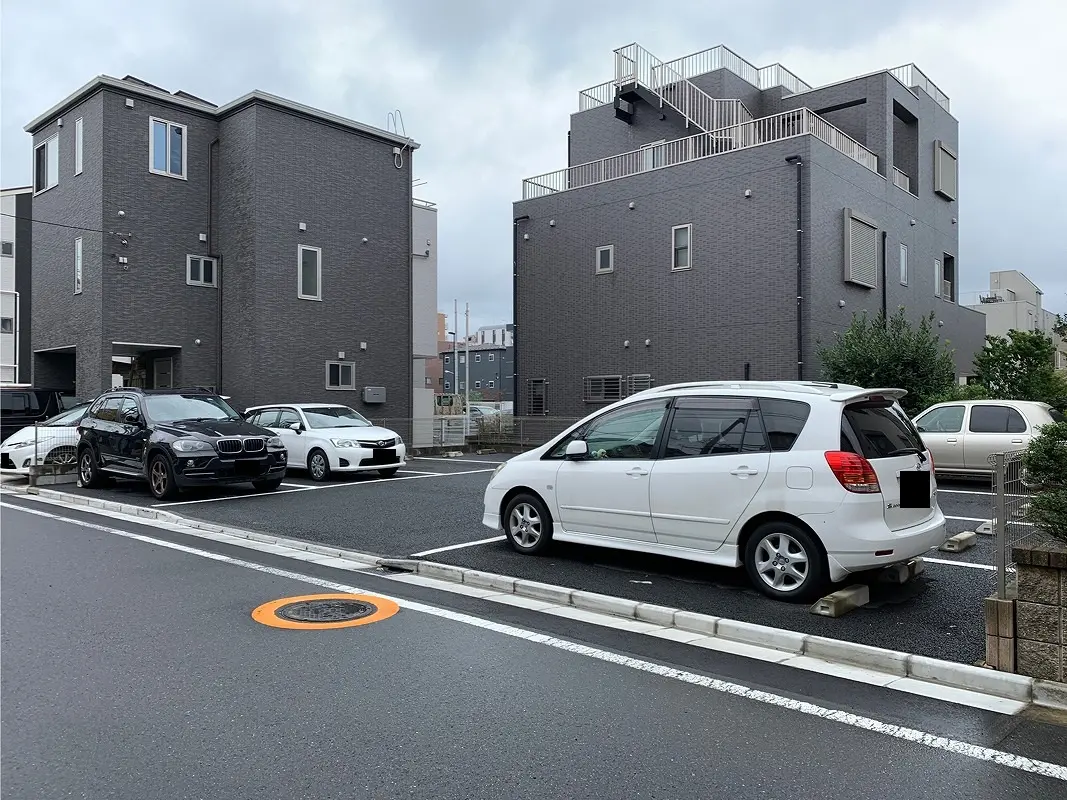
(1000, 523)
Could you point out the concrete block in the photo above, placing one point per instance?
(1051, 694)
(698, 623)
(657, 615)
(966, 676)
(839, 603)
(916, 567)
(1039, 660)
(326, 551)
(860, 655)
(1039, 584)
(1006, 653)
(487, 580)
(761, 635)
(895, 574)
(444, 572)
(992, 651)
(959, 542)
(605, 604)
(1038, 622)
(985, 529)
(543, 591)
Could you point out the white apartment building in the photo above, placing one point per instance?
(14, 263)
(1014, 302)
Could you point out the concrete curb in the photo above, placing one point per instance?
(962, 676)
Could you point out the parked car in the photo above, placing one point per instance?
(962, 436)
(22, 405)
(175, 438)
(324, 438)
(54, 441)
(801, 483)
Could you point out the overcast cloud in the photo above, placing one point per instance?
(487, 88)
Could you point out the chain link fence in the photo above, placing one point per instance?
(1011, 501)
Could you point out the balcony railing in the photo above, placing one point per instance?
(594, 96)
(775, 128)
(913, 77)
(901, 180)
(723, 57)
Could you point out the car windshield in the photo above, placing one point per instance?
(174, 407)
(335, 417)
(67, 418)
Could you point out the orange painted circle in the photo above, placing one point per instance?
(266, 613)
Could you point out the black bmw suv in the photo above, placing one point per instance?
(175, 438)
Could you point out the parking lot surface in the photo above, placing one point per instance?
(133, 667)
(433, 510)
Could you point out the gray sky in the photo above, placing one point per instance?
(487, 88)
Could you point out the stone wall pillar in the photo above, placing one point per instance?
(1041, 611)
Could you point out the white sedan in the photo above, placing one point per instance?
(324, 438)
(54, 442)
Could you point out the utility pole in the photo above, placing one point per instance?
(467, 377)
(455, 348)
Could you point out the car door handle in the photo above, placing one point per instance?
(744, 472)
(637, 472)
(1016, 441)
(953, 440)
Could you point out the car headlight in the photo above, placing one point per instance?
(344, 443)
(275, 441)
(500, 467)
(22, 442)
(190, 445)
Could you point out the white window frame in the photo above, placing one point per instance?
(491, 385)
(78, 261)
(79, 145)
(941, 150)
(610, 250)
(448, 385)
(300, 248)
(688, 227)
(903, 264)
(463, 359)
(448, 359)
(477, 384)
(166, 145)
(7, 255)
(477, 358)
(53, 142)
(340, 387)
(201, 282)
(938, 277)
(492, 356)
(463, 386)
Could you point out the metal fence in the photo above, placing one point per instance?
(51, 446)
(1011, 501)
(523, 433)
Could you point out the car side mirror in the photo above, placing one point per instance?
(132, 417)
(296, 426)
(577, 450)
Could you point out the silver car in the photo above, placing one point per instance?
(961, 436)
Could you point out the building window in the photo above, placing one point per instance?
(638, 383)
(78, 266)
(7, 249)
(201, 271)
(7, 324)
(492, 356)
(904, 264)
(477, 384)
(448, 384)
(602, 388)
(46, 165)
(429, 381)
(605, 258)
(861, 250)
(478, 358)
(462, 386)
(79, 144)
(945, 166)
(340, 375)
(309, 279)
(537, 397)
(680, 244)
(948, 278)
(491, 385)
(448, 359)
(167, 148)
(938, 277)
(463, 359)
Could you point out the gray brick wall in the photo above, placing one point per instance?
(597, 134)
(725, 85)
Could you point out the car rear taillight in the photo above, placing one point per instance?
(854, 472)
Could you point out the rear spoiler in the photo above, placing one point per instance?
(868, 394)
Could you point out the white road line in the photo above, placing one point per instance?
(933, 741)
(986, 520)
(454, 460)
(953, 563)
(457, 546)
(319, 488)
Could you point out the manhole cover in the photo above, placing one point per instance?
(325, 610)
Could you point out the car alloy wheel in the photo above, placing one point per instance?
(781, 562)
(524, 525)
(62, 457)
(318, 466)
(86, 469)
(159, 478)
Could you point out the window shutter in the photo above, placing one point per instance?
(861, 250)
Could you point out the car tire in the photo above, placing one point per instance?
(786, 562)
(388, 473)
(61, 456)
(88, 472)
(527, 524)
(318, 465)
(161, 478)
(267, 485)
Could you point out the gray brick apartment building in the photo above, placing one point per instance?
(261, 247)
(668, 249)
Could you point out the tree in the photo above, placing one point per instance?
(1046, 473)
(1059, 327)
(892, 353)
(1021, 366)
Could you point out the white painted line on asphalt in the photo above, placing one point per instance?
(457, 546)
(295, 485)
(933, 741)
(454, 460)
(987, 521)
(973, 491)
(319, 488)
(953, 563)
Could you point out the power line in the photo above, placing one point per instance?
(61, 225)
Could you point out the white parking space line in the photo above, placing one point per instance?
(454, 460)
(952, 563)
(319, 488)
(974, 491)
(294, 485)
(892, 730)
(458, 546)
(986, 520)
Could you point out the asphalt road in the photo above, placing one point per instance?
(437, 503)
(132, 670)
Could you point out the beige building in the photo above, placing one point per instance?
(1014, 302)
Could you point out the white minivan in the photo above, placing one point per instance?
(802, 483)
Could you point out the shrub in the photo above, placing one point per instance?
(1045, 463)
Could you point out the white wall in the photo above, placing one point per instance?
(8, 302)
(424, 280)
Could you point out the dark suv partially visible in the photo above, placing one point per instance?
(174, 439)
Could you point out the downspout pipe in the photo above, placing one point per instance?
(799, 162)
(515, 312)
(213, 148)
(885, 283)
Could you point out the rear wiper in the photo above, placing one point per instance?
(909, 451)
